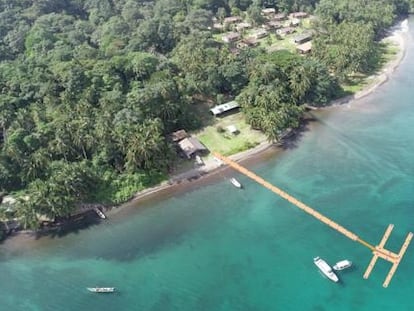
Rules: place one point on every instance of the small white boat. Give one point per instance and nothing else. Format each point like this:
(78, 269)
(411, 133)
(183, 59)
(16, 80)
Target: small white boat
(99, 213)
(101, 289)
(343, 264)
(325, 269)
(235, 182)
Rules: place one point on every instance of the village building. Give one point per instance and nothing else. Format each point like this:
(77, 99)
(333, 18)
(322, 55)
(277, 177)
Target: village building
(231, 37)
(191, 147)
(279, 17)
(294, 22)
(259, 33)
(219, 109)
(178, 135)
(218, 26)
(273, 24)
(232, 20)
(247, 43)
(304, 48)
(268, 11)
(298, 15)
(285, 31)
(233, 129)
(302, 38)
(243, 26)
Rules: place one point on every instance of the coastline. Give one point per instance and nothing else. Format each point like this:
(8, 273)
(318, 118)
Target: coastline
(181, 182)
(212, 170)
(397, 36)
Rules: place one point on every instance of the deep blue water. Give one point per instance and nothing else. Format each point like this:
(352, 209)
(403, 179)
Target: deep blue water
(219, 248)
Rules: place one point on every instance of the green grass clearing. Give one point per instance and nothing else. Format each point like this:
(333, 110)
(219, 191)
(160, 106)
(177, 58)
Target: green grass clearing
(227, 143)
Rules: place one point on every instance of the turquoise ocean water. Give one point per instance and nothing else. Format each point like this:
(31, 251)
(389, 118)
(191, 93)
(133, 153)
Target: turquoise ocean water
(217, 248)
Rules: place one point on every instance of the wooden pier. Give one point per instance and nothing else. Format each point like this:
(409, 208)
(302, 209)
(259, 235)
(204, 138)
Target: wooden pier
(378, 251)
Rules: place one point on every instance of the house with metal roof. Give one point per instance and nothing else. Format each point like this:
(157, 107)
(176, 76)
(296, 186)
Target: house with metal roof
(302, 38)
(191, 146)
(219, 109)
(178, 135)
(305, 47)
(231, 37)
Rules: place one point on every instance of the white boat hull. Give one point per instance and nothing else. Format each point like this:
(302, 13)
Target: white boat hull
(101, 289)
(325, 269)
(235, 182)
(99, 213)
(341, 265)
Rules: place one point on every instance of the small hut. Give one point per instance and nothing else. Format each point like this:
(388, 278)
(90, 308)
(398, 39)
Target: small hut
(305, 47)
(178, 135)
(191, 146)
(302, 38)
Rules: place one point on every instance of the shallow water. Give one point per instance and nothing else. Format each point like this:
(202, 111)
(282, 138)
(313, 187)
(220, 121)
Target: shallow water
(219, 248)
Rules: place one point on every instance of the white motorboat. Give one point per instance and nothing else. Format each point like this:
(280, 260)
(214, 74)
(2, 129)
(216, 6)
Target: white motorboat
(343, 264)
(325, 269)
(101, 289)
(235, 182)
(99, 213)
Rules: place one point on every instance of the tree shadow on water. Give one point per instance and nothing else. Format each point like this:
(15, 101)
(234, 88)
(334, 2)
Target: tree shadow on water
(291, 140)
(68, 226)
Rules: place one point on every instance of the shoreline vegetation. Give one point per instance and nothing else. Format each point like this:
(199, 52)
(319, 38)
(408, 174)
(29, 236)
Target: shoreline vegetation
(99, 102)
(395, 37)
(212, 170)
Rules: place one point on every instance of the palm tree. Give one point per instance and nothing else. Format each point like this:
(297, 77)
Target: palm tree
(300, 80)
(36, 165)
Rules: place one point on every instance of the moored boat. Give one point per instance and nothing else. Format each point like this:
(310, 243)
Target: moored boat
(101, 289)
(99, 213)
(325, 269)
(343, 264)
(235, 182)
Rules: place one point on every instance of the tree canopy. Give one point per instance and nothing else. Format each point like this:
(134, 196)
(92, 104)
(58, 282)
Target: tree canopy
(90, 90)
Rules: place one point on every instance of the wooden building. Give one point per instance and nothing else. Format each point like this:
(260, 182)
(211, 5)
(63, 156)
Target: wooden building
(191, 147)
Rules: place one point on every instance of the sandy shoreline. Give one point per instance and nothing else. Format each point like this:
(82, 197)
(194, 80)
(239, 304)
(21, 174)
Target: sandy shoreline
(213, 171)
(182, 182)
